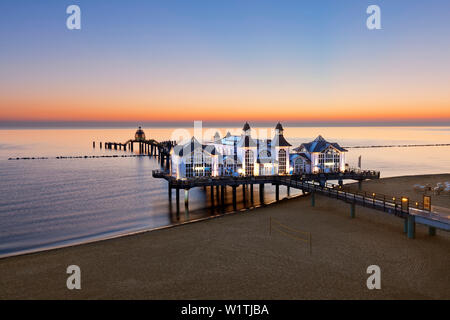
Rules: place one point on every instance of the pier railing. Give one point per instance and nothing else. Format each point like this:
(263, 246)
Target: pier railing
(399, 206)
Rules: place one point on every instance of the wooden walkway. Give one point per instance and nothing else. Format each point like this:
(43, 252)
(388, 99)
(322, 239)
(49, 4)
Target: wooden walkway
(313, 184)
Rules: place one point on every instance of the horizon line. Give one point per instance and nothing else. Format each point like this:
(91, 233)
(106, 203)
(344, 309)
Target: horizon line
(24, 124)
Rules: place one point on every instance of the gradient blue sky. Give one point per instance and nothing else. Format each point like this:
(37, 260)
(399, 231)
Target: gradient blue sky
(217, 60)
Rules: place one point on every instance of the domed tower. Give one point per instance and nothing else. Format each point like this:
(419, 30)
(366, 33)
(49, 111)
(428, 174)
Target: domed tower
(246, 129)
(139, 135)
(280, 147)
(279, 128)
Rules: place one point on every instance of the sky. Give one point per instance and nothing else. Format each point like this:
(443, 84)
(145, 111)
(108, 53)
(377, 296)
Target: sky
(225, 60)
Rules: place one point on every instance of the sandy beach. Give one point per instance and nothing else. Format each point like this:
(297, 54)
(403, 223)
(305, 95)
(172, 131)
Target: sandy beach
(238, 256)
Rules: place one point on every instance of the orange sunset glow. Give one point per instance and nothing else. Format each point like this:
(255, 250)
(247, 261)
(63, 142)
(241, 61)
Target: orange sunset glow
(225, 108)
(325, 69)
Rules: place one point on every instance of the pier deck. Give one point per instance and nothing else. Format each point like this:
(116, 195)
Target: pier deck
(188, 183)
(150, 147)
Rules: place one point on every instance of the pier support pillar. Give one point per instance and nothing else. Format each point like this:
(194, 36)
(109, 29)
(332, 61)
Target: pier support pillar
(212, 196)
(178, 199)
(359, 185)
(405, 225)
(313, 199)
(222, 195)
(277, 192)
(411, 227)
(340, 182)
(217, 195)
(234, 198)
(251, 193)
(170, 193)
(352, 210)
(186, 201)
(261, 193)
(288, 191)
(431, 231)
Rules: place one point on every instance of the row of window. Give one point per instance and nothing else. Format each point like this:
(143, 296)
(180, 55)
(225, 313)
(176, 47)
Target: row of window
(329, 160)
(201, 165)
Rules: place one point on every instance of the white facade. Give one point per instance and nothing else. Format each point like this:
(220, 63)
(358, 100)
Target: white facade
(244, 156)
(323, 155)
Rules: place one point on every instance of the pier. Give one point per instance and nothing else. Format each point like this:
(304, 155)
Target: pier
(150, 147)
(309, 183)
(313, 184)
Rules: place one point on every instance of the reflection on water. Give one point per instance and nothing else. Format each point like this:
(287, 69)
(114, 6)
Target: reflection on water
(48, 203)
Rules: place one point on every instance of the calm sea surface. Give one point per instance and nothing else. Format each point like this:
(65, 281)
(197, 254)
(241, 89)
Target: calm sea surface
(51, 203)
